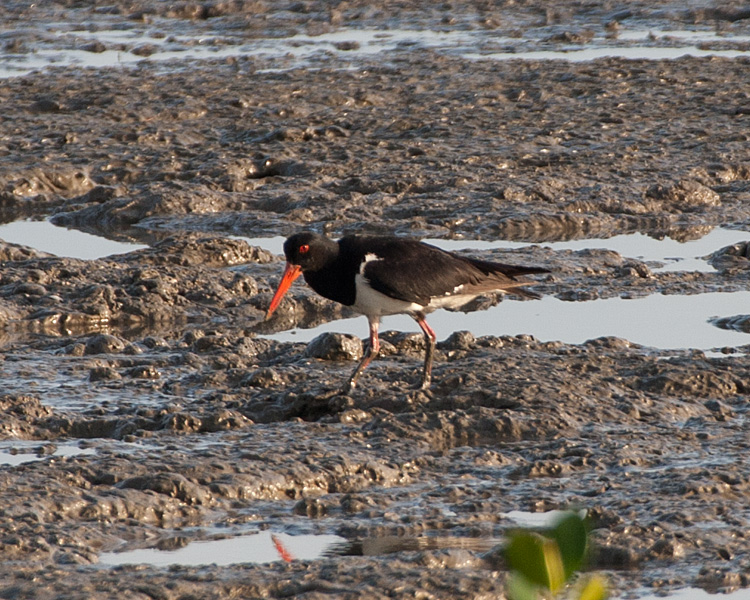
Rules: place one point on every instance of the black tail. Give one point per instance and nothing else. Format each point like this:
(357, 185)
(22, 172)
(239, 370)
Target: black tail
(511, 271)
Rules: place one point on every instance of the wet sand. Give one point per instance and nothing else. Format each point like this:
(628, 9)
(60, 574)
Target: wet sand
(162, 411)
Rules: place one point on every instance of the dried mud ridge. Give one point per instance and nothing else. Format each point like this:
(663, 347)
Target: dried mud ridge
(159, 364)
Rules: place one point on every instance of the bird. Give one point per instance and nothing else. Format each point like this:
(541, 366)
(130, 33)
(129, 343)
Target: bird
(386, 275)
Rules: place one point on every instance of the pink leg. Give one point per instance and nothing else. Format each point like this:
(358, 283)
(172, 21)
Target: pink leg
(429, 338)
(372, 351)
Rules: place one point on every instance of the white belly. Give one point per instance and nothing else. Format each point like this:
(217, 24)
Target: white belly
(373, 303)
(370, 302)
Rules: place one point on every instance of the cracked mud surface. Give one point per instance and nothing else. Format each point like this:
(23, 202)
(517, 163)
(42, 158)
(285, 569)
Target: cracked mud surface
(198, 424)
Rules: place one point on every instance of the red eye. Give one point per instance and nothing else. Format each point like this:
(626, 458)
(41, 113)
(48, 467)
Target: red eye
(304, 248)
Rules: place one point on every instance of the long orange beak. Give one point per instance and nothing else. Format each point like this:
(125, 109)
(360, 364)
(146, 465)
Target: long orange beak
(291, 272)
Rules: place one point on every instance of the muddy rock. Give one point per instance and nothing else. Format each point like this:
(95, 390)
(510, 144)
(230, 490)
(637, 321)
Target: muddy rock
(694, 383)
(194, 250)
(684, 195)
(732, 259)
(22, 414)
(334, 346)
(738, 322)
(172, 485)
(14, 252)
(264, 377)
(104, 344)
(100, 373)
(43, 184)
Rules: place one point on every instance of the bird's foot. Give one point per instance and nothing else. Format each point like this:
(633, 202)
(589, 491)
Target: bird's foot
(348, 387)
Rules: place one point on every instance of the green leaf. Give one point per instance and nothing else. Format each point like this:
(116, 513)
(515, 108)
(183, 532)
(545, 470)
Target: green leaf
(537, 558)
(571, 536)
(595, 588)
(520, 588)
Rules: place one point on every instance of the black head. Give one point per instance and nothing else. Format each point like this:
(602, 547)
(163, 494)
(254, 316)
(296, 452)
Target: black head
(309, 250)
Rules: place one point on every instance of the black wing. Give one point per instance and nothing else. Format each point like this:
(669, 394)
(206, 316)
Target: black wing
(415, 272)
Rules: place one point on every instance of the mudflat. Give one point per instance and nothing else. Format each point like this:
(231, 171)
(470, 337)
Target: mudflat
(152, 406)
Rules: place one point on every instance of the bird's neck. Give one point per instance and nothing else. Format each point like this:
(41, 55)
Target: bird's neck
(334, 279)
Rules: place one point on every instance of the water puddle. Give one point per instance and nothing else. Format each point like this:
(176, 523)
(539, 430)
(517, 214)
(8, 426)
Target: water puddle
(698, 594)
(274, 244)
(680, 36)
(675, 255)
(657, 321)
(261, 547)
(68, 243)
(19, 452)
(588, 54)
(538, 520)
(106, 44)
(120, 47)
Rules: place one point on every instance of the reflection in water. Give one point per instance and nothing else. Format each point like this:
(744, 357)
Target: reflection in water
(258, 548)
(68, 243)
(658, 321)
(19, 452)
(680, 252)
(735, 322)
(389, 544)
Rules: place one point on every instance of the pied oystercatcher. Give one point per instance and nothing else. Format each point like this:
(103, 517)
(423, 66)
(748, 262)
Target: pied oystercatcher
(386, 275)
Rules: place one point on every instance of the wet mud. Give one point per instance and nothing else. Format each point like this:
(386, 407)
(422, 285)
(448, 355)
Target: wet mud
(194, 423)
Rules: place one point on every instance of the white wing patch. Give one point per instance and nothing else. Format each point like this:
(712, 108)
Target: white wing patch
(373, 303)
(369, 257)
